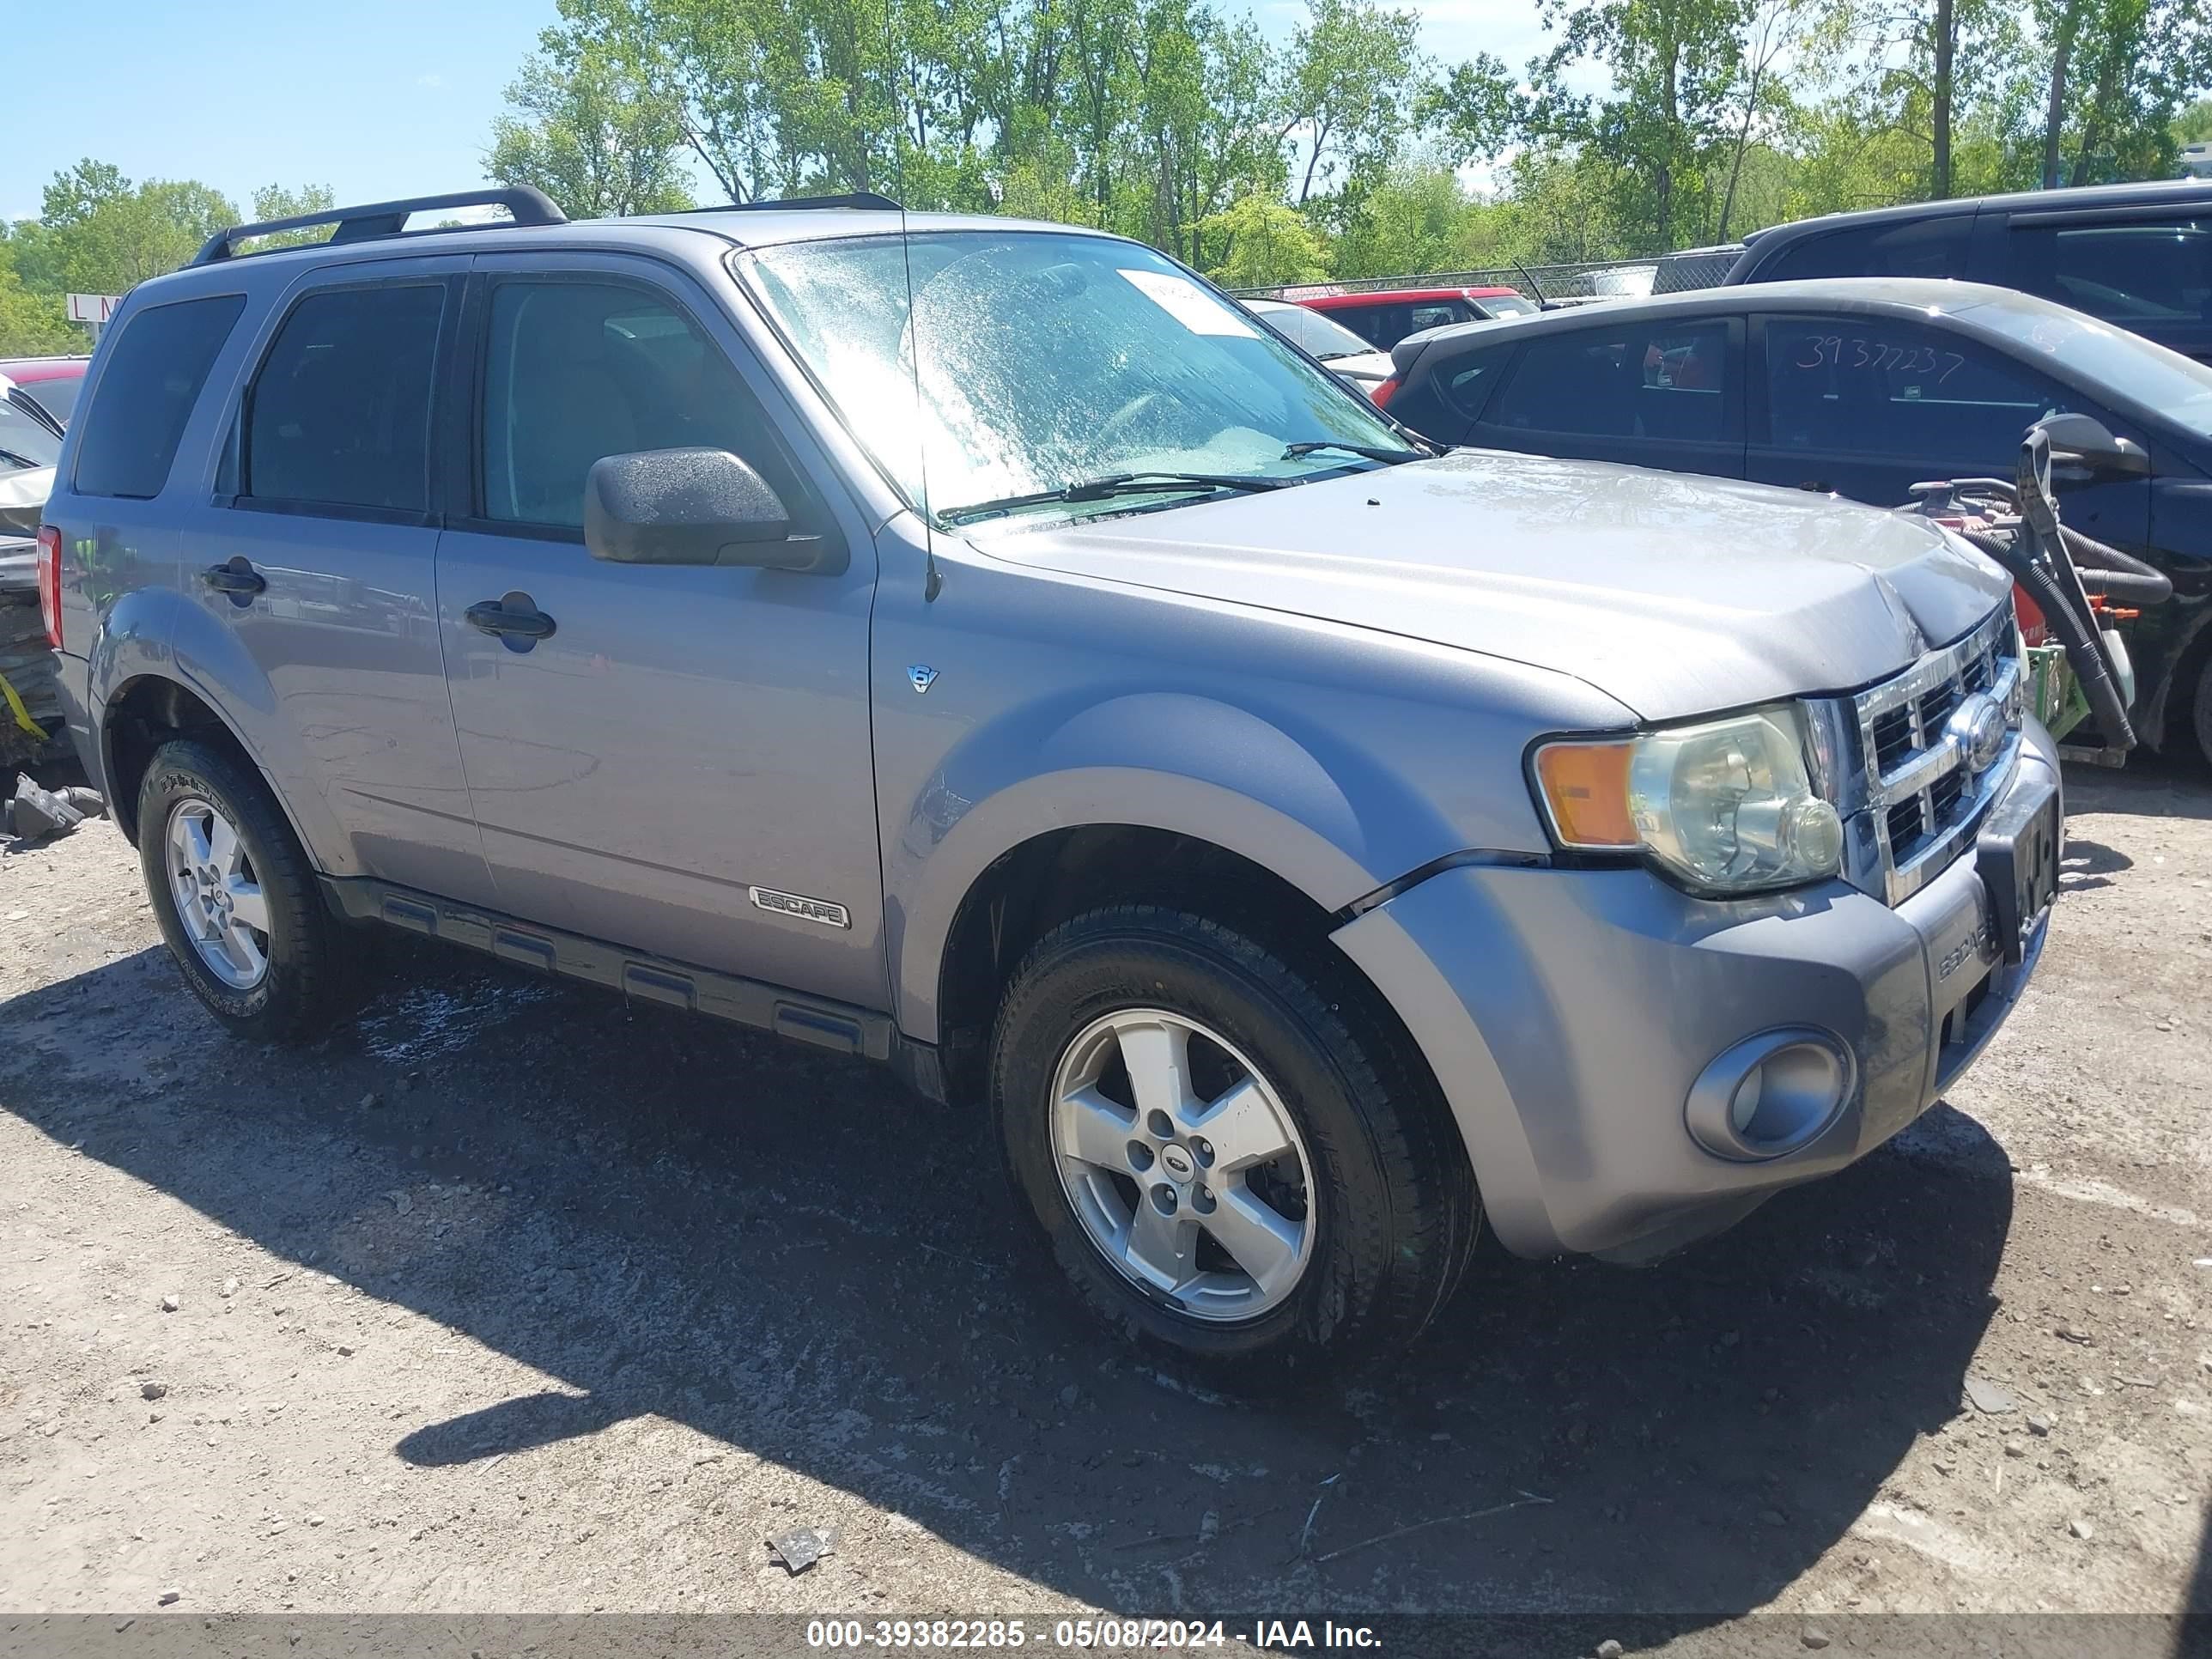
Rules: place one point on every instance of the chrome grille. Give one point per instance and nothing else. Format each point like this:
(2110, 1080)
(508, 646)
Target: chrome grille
(1925, 792)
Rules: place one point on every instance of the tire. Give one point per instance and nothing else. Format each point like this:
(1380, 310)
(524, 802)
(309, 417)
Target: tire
(2200, 724)
(303, 978)
(1389, 1212)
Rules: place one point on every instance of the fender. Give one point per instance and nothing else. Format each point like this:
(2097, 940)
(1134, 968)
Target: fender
(1170, 761)
(156, 633)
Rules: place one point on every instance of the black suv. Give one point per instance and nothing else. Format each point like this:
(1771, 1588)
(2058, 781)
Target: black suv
(2136, 255)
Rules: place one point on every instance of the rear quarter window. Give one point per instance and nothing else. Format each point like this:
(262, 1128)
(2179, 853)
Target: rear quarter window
(1918, 247)
(155, 373)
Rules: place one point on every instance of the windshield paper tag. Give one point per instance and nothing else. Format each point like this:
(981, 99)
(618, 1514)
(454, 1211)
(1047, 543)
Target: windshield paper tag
(1189, 304)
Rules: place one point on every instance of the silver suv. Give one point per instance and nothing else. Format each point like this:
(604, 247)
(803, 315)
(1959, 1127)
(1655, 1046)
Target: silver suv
(980, 647)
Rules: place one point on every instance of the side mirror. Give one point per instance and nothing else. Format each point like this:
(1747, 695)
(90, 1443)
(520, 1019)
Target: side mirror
(694, 507)
(2084, 441)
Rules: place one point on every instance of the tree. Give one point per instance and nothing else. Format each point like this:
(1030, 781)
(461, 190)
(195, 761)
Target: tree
(1264, 244)
(31, 324)
(590, 133)
(1672, 64)
(1346, 91)
(101, 233)
(1759, 93)
(277, 202)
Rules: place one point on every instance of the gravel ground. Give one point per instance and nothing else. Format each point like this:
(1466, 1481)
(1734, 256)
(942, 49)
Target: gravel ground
(509, 1297)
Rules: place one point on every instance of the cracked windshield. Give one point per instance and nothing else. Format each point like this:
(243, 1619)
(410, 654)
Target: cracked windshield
(1039, 373)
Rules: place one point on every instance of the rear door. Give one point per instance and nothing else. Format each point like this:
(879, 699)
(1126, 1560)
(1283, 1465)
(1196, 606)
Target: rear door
(316, 551)
(1649, 391)
(2145, 269)
(1869, 406)
(682, 764)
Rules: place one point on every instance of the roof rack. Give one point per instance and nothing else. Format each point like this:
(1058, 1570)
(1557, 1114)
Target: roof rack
(527, 205)
(858, 199)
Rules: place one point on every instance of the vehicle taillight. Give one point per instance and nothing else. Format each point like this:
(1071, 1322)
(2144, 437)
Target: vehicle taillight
(1384, 392)
(49, 582)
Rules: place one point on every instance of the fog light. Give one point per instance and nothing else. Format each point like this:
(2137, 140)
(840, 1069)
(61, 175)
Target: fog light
(1769, 1094)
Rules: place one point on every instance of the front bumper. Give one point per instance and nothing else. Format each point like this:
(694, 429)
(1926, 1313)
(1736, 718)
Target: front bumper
(1567, 1013)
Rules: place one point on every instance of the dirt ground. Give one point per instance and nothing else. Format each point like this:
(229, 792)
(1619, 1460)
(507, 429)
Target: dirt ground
(510, 1297)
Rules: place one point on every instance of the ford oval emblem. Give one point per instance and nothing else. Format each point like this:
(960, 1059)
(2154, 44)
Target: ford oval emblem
(1977, 727)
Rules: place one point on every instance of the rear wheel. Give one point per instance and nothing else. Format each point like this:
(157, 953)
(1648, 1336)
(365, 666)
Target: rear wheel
(1223, 1147)
(234, 895)
(2200, 711)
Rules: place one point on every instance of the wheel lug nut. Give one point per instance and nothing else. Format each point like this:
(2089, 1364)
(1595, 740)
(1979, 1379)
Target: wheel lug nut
(1160, 1124)
(1164, 1199)
(1202, 1149)
(1202, 1201)
(1141, 1156)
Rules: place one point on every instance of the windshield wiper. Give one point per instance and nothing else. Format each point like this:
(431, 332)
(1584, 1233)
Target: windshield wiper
(1370, 452)
(1114, 484)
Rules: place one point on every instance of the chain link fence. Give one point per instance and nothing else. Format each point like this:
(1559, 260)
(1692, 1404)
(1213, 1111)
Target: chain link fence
(1569, 284)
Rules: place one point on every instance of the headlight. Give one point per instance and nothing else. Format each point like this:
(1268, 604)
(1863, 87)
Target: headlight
(1723, 806)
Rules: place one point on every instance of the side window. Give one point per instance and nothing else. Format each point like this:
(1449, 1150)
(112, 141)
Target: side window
(339, 414)
(1465, 384)
(2135, 273)
(1632, 380)
(578, 370)
(1381, 326)
(1918, 247)
(152, 378)
(1436, 315)
(1873, 387)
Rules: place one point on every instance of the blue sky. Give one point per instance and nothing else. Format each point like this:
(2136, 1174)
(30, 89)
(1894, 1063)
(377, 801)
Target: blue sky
(377, 98)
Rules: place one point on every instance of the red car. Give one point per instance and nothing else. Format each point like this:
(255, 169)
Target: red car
(51, 382)
(1387, 316)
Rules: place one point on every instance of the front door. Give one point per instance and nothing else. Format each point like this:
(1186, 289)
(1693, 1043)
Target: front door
(686, 745)
(1869, 406)
(316, 549)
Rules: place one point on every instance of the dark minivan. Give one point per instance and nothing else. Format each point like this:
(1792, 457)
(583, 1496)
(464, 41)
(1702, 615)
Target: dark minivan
(2137, 255)
(1864, 386)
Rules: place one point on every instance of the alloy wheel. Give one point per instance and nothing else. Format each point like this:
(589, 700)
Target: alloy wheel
(1181, 1162)
(218, 896)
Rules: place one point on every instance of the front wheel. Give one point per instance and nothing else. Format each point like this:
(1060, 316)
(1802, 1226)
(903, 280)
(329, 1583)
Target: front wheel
(1225, 1148)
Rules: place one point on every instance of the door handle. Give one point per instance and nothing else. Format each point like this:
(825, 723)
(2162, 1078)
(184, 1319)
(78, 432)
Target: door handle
(239, 578)
(516, 616)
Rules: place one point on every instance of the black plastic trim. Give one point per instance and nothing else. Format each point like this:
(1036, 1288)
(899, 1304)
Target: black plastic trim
(826, 1023)
(1487, 856)
(376, 220)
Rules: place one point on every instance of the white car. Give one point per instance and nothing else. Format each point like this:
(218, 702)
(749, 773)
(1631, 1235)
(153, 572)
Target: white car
(2197, 159)
(1329, 343)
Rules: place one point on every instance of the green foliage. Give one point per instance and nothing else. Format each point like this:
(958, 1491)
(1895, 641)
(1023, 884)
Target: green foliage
(2194, 124)
(99, 233)
(588, 132)
(32, 325)
(276, 202)
(1263, 242)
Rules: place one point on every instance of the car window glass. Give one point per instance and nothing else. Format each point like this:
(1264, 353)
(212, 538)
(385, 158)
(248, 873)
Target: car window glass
(576, 371)
(58, 396)
(339, 414)
(2132, 274)
(23, 441)
(1919, 247)
(1631, 381)
(1381, 326)
(1436, 314)
(147, 385)
(1466, 384)
(1028, 359)
(1310, 331)
(1873, 386)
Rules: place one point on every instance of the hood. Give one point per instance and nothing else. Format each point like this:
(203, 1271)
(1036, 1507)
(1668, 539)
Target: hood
(1676, 595)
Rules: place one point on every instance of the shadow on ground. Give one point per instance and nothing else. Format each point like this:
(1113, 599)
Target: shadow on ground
(787, 1252)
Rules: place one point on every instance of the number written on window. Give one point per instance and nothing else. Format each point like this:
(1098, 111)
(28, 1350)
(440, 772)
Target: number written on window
(1874, 355)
